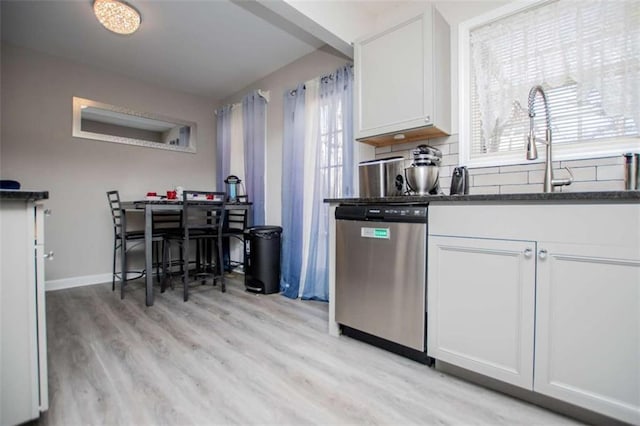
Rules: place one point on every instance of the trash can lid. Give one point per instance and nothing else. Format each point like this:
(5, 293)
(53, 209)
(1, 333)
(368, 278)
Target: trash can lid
(264, 230)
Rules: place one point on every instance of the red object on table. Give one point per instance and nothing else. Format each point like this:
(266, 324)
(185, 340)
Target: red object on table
(172, 195)
(152, 194)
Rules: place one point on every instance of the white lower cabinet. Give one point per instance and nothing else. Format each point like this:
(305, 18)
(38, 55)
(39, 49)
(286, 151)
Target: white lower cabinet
(23, 346)
(588, 328)
(481, 306)
(553, 307)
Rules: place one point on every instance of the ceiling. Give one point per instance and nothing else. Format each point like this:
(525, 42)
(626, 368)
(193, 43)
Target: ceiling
(212, 48)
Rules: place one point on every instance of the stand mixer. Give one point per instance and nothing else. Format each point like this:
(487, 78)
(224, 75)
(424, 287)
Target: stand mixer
(423, 175)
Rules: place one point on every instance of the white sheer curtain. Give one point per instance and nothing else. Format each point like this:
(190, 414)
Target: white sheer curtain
(318, 163)
(311, 141)
(333, 164)
(587, 53)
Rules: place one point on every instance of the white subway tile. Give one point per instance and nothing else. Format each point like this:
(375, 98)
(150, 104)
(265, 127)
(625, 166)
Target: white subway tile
(605, 161)
(445, 172)
(579, 174)
(501, 179)
(522, 168)
(603, 185)
(404, 146)
(454, 147)
(520, 189)
(484, 190)
(450, 160)
(382, 150)
(615, 172)
(444, 148)
(484, 170)
(536, 176)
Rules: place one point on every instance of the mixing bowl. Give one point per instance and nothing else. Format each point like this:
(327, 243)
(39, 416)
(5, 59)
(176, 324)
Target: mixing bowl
(421, 179)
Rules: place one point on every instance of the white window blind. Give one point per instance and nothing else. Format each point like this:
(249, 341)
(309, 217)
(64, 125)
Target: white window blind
(585, 54)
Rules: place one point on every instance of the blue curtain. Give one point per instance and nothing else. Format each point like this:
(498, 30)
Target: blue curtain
(334, 174)
(292, 191)
(223, 145)
(254, 108)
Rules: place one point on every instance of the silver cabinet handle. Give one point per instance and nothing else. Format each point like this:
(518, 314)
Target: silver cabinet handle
(528, 252)
(542, 254)
(48, 256)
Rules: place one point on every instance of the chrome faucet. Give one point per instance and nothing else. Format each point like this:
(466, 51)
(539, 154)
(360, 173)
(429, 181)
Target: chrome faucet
(532, 153)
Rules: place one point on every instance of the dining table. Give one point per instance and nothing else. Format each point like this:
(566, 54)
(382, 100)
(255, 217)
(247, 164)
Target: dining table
(149, 206)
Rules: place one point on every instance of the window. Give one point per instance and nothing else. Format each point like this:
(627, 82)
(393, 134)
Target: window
(586, 55)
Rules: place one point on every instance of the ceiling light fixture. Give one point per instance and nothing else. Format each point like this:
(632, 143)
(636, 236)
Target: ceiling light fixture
(117, 16)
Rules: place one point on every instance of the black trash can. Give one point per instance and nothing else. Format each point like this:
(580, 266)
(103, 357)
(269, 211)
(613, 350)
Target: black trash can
(262, 259)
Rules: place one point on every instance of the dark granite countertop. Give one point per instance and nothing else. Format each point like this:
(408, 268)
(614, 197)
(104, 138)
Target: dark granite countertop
(600, 196)
(22, 195)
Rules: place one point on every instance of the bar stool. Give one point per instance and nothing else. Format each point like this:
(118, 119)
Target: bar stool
(203, 214)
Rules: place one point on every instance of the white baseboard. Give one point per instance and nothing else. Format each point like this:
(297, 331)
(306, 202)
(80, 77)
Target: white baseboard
(61, 284)
(53, 285)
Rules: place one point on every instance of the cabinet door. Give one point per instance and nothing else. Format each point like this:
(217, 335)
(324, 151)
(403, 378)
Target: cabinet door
(394, 78)
(588, 327)
(481, 306)
(18, 320)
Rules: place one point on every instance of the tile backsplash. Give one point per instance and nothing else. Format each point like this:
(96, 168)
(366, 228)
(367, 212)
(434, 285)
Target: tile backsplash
(598, 174)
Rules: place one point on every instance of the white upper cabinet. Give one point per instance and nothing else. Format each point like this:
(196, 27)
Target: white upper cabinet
(402, 81)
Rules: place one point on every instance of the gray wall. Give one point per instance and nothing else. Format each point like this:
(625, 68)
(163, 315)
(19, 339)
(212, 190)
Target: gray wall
(37, 149)
(321, 62)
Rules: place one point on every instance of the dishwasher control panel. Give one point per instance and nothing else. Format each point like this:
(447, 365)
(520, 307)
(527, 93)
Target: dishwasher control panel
(410, 214)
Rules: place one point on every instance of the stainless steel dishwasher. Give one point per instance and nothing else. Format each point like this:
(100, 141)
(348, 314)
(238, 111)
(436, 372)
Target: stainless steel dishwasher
(381, 269)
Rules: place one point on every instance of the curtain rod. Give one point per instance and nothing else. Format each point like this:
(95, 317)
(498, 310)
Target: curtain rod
(322, 79)
(264, 94)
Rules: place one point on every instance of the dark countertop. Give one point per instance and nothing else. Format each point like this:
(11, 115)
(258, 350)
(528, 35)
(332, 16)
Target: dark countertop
(600, 196)
(22, 195)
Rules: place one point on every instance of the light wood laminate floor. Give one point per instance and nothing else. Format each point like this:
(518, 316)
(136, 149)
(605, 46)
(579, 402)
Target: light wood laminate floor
(240, 358)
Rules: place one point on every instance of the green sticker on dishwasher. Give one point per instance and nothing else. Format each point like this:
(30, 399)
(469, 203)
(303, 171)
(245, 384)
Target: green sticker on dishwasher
(375, 233)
